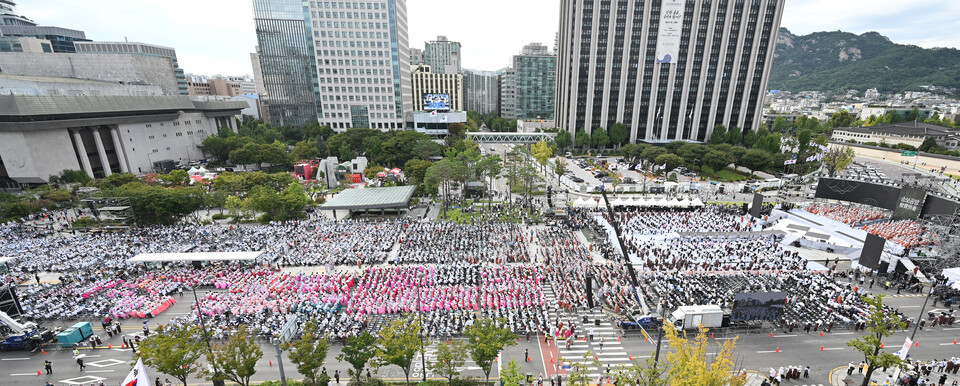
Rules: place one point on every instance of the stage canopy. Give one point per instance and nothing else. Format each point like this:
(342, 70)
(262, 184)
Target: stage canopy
(371, 198)
(196, 256)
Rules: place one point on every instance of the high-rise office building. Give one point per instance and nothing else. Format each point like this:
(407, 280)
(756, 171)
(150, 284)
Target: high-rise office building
(667, 69)
(481, 91)
(137, 49)
(507, 105)
(416, 56)
(535, 81)
(15, 25)
(287, 62)
(443, 56)
(363, 63)
(445, 89)
(257, 73)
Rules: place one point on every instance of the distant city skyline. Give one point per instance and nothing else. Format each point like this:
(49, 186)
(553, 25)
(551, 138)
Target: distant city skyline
(216, 36)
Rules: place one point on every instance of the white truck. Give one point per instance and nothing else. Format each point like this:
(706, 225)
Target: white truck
(690, 317)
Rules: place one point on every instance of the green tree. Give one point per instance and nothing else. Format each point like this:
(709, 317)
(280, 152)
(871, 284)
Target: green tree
(510, 375)
(399, 341)
(631, 151)
(779, 125)
(236, 359)
(734, 135)
(358, 351)
(448, 359)
(750, 138)
(651, 153)
(755, 159)
(842, 118)
(563, 140)
(693, 153)
(717, 160)
(305, 150)
(599, 138)
(803, 140)
(881, 323)
(70, 176)
(346, 152)
(579, 370)
(484, 341)
(737, 152)
(415, 169)
(560, 167)
(309, 352)
(674, 146)
(293, 200)
(928, 144)
(671, 160)
(582, 139)
(719, 134)
(489, 168)
(619, 134)
(440, 177)
(175, 352)
(837, 158)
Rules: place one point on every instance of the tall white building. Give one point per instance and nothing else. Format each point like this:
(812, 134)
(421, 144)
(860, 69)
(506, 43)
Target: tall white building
(481, 91)
(363, 63)
(667, 69)
(443, 56)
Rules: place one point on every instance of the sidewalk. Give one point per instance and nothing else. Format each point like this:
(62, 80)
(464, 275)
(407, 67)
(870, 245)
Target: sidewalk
(839, 377)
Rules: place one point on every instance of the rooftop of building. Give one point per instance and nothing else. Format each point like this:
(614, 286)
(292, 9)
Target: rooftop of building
(19, 108)
(904, 128)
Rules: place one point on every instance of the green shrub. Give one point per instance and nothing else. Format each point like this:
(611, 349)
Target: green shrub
(219, 216)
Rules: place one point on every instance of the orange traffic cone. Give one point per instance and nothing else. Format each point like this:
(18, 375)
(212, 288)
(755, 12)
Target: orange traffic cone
(595, 357)
(38, 371)
(821, 333)
(821, 348)
(954, 341)
(630, 357)
(881, 344)
(917, 343)
(518, 339)
(123, 345)
(778, 349)
(270, 363)
(448, 341)
(771, 334)
(711, 335)
(494, 359)
(42, 351)
(109, 345)
(618, 339)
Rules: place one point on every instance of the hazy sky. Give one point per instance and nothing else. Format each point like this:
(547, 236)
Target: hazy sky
(217, 36)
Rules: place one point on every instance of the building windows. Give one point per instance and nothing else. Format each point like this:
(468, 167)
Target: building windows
(150, 137)
(147, 125)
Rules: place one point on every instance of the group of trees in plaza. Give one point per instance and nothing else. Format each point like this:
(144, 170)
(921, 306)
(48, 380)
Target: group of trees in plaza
(178, 352)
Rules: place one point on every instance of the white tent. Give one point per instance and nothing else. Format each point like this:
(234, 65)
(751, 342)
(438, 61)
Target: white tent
(619, 202)
(674, 203)
(696, 202)
(952, 274)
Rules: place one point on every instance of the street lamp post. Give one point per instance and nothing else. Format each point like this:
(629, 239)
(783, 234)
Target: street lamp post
(423, 349)
(206, 336)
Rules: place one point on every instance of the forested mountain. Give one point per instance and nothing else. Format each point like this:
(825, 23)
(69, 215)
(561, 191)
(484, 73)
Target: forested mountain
(836, 61)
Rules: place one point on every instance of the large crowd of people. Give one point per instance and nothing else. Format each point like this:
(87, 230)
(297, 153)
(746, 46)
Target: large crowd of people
(906, 233)
(851, 215)
(712, 218)
(714, 253)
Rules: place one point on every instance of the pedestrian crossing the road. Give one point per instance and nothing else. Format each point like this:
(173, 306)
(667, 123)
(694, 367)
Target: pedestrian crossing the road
(599, 343)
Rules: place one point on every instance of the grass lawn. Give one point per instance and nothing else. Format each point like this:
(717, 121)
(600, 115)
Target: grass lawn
(725, 175)
(956, 177)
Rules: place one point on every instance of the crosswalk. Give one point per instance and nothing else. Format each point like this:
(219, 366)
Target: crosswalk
(604, 349)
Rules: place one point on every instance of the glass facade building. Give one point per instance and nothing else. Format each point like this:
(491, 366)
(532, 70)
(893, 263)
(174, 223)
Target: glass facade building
(286, 62)
(362, 63)
(611, 68)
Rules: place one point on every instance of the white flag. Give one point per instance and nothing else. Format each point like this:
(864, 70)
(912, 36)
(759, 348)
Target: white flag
(790, 162)
(137, 376)
(664, 166)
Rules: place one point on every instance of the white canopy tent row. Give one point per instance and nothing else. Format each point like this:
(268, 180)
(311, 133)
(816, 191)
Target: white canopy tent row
(581, 202)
